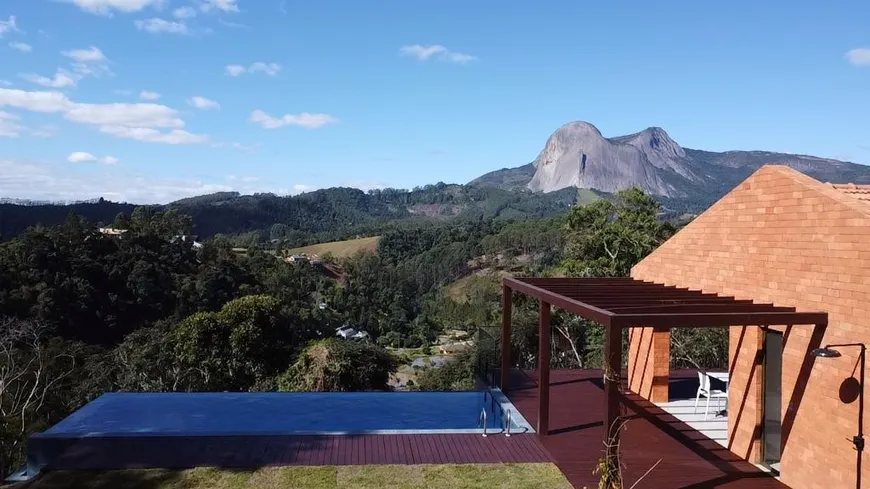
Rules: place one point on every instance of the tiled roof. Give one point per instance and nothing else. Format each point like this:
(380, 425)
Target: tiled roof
(860, 192)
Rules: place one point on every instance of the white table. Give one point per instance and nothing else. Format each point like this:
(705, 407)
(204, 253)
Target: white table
(720, 376)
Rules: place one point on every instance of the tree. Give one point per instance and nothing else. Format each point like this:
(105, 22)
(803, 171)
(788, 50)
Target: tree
(248, 340)
(339, 365)
(147, 362)
(607, 238)
(29, 371)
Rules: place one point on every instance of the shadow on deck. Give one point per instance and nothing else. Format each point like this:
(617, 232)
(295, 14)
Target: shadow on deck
(689, 460)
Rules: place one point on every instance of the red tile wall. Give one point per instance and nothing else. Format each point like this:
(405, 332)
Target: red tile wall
(781, 237)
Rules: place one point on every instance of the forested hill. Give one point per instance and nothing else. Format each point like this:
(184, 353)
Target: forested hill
(334, 213)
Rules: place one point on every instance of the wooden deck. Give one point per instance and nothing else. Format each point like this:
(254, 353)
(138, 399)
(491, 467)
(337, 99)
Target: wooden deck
(689, 460)
(259, 451)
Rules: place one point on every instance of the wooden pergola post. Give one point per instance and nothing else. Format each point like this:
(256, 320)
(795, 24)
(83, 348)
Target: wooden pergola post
(619, 303)
(612, 381)
(544, 369)
(506, 309)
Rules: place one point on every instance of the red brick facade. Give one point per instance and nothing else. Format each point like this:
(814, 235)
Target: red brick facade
(779, 237)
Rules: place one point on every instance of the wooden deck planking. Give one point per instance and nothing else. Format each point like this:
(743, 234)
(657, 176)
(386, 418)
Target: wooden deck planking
(257, 451)
(689, 460)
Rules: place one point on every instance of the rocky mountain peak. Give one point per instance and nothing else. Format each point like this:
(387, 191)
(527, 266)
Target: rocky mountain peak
(654, 139)
(577, 155)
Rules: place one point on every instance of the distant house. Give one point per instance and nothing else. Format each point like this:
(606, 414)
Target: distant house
(185, 238)
(300, 258)
(112, 231)
(349, 333)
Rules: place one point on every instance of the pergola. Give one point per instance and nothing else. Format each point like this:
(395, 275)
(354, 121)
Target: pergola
(618, 303)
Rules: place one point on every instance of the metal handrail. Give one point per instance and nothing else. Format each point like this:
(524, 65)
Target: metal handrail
(508, 423)
(483, 420)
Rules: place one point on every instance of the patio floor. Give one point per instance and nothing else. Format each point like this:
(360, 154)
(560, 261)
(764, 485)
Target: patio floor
(683, 388)
(689, 460)
(262, 451)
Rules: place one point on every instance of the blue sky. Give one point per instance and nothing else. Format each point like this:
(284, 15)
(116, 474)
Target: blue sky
(289, 95)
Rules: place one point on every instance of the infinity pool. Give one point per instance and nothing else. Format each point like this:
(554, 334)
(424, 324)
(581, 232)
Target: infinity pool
(198, 414)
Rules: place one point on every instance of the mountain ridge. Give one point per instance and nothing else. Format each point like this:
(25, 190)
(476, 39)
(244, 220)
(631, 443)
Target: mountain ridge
(578, 155)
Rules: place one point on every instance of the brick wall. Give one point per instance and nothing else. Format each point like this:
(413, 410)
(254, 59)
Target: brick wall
(784, 238)
(649, 362)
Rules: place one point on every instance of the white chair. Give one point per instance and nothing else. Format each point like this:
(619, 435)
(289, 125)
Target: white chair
(705, 390)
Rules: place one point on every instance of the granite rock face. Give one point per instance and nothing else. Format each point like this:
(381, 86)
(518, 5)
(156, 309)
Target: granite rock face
(577, 155)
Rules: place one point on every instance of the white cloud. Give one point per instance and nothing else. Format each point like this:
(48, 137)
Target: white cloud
(105, 7)
(270, 69)
(158, 26)
(146, 95)
(137, 115)
(60, 80)
(148, 135)
(44, 181)
(184, 13)
(89, 55)
(82, 157)
(7, 26)
(234, 25)
(79, 157)
(859, 57)
(203, 103)
(250, 149)
(310, 121)
(436, 52)
(91, 69)
(21, 46)
(88, 62)
(235, 70)
(43, 132)
(124, 120)
(222, 5)
(9, 127)
(49, 102)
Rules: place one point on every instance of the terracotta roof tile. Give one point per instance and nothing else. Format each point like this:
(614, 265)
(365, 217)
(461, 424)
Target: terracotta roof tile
(859, 192)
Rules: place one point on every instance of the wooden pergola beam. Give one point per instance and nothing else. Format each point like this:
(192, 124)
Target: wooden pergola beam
(719, 319)
(701, 307)
(587, 311)
(618, 303)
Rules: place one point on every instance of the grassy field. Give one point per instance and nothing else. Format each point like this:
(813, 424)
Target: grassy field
(503, 476)
(462, 288)
(340, 249)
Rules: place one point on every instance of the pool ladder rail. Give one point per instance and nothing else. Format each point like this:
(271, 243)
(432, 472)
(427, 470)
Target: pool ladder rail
(506, 415)
(483, 420)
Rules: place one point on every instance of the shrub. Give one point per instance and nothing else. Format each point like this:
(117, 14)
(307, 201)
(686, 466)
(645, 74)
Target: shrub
(456, 374)
(338, 365)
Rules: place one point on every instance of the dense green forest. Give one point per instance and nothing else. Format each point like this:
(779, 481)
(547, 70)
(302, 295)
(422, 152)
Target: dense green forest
(319, 216)
(82, 313)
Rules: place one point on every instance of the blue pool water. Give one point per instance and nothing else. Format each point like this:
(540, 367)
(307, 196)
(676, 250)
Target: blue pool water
(130, 414)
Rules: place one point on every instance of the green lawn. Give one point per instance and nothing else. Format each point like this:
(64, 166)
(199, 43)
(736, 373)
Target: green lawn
(503, 476)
